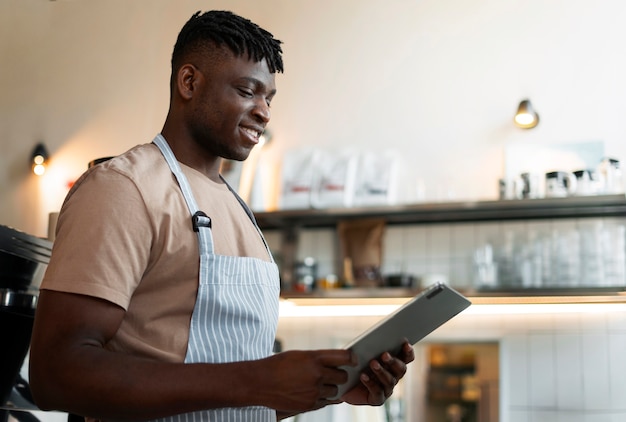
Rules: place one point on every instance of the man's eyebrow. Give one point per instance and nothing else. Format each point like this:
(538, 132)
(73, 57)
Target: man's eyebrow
(257, 83)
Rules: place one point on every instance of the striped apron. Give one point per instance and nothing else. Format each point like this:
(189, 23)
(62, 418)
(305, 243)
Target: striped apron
(236, 310)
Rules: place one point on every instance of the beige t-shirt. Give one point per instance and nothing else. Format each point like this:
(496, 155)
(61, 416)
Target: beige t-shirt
(124, 235)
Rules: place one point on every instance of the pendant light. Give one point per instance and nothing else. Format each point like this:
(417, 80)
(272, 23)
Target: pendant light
(526, 117)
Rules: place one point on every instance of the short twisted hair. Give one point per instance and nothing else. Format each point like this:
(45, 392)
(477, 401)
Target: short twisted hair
(223, 28)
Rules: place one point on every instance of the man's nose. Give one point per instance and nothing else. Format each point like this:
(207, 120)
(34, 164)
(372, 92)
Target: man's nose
(262, 111)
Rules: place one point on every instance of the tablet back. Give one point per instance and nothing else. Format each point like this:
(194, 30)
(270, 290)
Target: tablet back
(412, 321)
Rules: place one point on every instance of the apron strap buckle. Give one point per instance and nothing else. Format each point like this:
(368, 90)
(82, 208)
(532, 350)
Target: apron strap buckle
(200, 219)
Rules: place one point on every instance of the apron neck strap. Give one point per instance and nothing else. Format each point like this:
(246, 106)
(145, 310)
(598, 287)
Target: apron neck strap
(172, 162)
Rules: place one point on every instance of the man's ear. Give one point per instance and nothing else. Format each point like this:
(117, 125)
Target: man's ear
(186, 80)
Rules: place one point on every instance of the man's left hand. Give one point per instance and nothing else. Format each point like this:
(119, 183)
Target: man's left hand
(378, 383)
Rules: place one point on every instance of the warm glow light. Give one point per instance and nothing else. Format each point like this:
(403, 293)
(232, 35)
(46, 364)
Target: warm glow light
(524, 119)
(39, 169)
(289, 309)
(544, 308)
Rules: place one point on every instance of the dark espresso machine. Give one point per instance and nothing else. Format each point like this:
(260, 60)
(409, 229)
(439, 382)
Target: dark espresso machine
(23, 260)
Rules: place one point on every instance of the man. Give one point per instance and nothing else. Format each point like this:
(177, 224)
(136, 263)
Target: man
(161, 296)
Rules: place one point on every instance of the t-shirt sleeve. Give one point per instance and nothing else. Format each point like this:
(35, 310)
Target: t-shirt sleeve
(103, 238)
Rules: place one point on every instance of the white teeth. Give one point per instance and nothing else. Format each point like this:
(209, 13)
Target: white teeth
(252, 132)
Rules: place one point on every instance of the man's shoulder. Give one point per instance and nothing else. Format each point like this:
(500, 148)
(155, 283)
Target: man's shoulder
(142, 165)
(141, 168)
(139, 161)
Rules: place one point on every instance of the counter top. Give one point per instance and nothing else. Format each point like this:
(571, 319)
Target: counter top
(396, 296)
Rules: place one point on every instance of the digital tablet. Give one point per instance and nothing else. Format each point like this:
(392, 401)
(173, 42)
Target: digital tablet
(412, 321)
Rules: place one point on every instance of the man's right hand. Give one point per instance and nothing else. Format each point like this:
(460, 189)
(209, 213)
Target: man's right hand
(300, 381)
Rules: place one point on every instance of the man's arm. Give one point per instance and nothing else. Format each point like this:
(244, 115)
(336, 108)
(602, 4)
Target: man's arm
(70, 370)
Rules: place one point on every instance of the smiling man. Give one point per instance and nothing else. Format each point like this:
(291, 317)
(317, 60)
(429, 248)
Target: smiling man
(161, 296)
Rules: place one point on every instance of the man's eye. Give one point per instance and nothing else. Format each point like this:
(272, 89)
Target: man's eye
(246, 92)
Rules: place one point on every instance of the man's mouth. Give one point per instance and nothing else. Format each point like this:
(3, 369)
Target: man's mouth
(252, 132)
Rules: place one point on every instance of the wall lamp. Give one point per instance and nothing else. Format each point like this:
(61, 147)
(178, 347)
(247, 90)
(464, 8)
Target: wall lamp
(526, 117)
(39, 159)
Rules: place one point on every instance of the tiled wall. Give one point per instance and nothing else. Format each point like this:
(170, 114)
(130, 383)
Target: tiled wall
(560, 365)
(533, 253)
(566, 368)
(563, 366)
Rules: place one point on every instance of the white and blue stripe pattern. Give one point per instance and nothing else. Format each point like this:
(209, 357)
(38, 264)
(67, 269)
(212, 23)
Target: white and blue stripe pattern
(236, 311)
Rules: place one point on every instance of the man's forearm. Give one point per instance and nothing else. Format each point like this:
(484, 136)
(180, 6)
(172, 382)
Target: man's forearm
(122, 387)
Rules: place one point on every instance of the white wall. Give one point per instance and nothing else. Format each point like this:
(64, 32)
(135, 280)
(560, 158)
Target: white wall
(438, 80)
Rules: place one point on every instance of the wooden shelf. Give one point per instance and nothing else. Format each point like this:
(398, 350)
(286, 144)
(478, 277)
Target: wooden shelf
(290, 223)
(447, 212)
